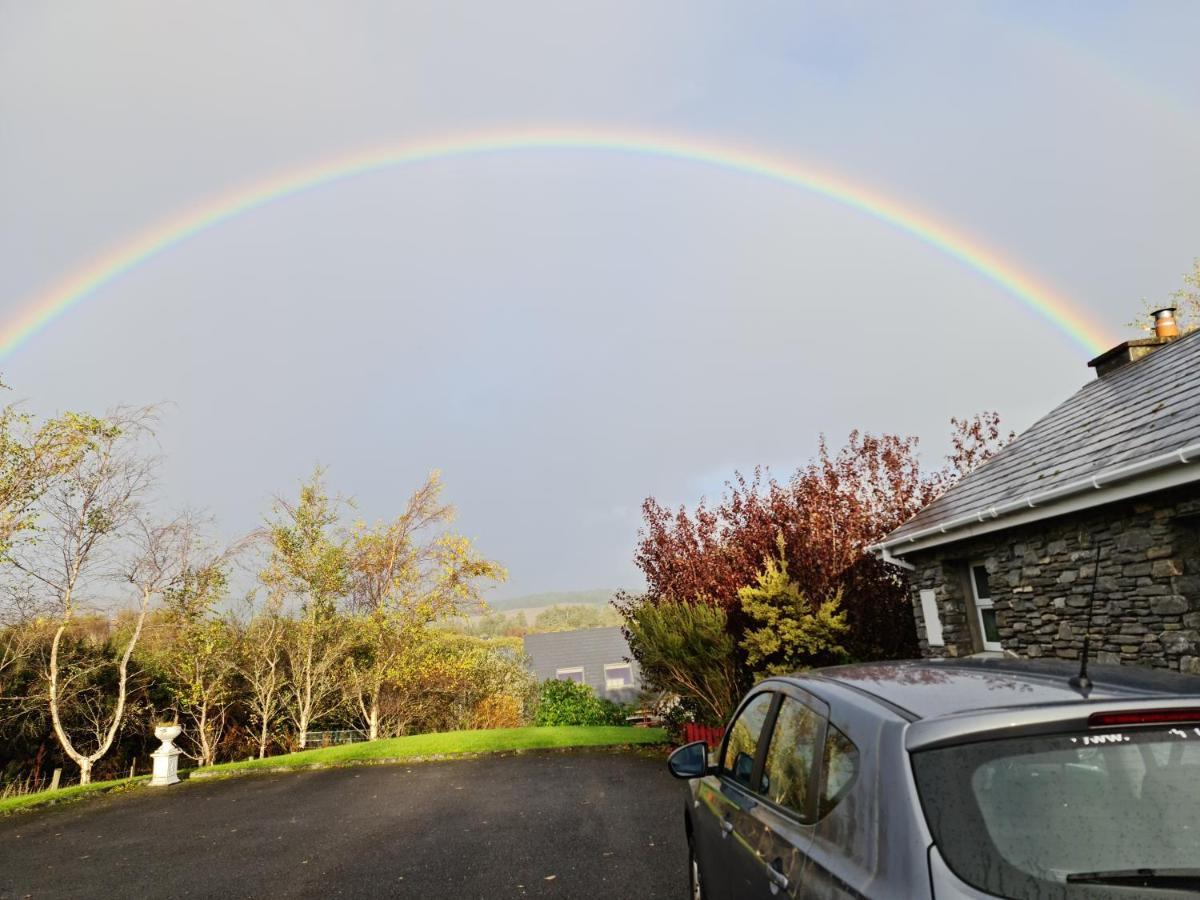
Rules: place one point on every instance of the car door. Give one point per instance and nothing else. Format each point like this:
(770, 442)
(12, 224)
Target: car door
(775, 833)
(843, 854)
(727, 793)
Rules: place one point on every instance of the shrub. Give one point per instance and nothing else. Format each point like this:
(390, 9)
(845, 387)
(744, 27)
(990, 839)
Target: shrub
(675, 712)
(568, 703)
(498, 711)
(788, 631)
(686, 649)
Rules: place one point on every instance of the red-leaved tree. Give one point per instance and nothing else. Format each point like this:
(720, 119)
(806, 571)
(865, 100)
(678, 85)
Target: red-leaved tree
(828, 513)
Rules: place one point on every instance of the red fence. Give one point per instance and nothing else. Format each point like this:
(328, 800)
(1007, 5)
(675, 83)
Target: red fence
(711, 734)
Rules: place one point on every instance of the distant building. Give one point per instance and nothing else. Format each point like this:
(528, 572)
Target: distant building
(597, 657)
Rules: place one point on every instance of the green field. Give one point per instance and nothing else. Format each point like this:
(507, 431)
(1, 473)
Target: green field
(413, 747)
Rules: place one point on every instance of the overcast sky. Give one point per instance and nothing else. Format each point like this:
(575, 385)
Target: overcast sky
(564, 334)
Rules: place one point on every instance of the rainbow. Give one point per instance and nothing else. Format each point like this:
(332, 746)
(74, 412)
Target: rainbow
(40, 311)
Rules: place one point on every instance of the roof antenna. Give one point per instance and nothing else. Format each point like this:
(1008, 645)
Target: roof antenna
(1081, 682)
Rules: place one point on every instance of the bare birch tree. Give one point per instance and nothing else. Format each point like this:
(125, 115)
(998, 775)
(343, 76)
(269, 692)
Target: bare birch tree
(195, 655)
(261, 664)
(32, 458)
(406, 574)
(308, 564)
(92, 533)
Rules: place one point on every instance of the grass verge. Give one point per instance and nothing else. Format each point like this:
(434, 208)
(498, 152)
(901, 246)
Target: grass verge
(452, 743)
(71, 792)
(413, 747)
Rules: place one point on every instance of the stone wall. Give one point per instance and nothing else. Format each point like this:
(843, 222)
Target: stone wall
(1147, 594)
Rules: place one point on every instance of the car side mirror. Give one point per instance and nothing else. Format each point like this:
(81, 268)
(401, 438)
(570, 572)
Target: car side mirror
(689, 761)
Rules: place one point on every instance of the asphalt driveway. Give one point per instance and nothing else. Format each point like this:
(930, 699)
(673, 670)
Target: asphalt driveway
(543, 824)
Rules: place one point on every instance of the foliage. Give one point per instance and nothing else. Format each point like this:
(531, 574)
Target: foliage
(570, 703)
(828, 512)
(309, 562)
(686, 649)
(492, 624)
(344, 637)
(33, 457)
(555, 618)
(498, 711)
(406, 576)
(723, 619)
(675, 712)
(191, 649)
(596, 597)
(973, 442)
(574, 618)
(786, 632)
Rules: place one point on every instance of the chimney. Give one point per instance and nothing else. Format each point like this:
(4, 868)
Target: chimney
(1165, 331)
(1164, 323)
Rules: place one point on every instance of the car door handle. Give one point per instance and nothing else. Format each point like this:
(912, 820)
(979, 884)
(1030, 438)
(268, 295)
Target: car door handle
(779, 881)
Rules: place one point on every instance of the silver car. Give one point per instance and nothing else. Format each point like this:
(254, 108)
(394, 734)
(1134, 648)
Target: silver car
(951, 779)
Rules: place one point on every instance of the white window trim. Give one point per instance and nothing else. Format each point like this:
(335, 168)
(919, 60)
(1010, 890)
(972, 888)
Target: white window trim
(981, 603)
(614, 685)
(570, 670)
(933, 621)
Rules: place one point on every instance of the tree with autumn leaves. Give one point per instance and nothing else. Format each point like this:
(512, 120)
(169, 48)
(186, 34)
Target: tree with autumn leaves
(786, 562)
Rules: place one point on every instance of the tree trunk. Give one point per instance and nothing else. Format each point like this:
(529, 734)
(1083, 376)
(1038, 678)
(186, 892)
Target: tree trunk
(106, 740)
(373, 723)
(262, 739)
(206, 752)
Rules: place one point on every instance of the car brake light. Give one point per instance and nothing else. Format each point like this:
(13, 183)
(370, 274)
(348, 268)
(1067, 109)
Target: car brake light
(1143, 717)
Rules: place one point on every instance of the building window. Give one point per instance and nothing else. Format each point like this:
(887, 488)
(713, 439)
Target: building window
(572, 674)
(617, 676)
(984, 607)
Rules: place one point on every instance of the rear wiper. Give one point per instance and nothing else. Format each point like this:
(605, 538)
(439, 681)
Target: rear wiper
(1186, 879)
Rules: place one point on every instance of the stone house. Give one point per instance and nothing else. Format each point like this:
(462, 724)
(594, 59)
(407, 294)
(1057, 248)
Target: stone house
(1006, 559)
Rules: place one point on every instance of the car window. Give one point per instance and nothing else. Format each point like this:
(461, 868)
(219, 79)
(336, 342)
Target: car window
(787, 772)
(1030, 817)
(742, 745)
(838, 768)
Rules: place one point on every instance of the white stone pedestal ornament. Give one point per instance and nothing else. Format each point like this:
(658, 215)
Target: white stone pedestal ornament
(166, 757)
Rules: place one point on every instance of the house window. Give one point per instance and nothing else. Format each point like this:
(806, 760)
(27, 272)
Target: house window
(617, 676)
(984, 607)
(572, 674)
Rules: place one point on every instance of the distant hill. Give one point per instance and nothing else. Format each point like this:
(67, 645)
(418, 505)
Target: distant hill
(597, 597)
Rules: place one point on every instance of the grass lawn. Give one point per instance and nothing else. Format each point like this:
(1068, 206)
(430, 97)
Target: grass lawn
(456, 743)
(71, 792)
(417, 746)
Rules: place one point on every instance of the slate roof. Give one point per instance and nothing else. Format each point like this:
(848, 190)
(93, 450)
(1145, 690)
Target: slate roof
(1143, 409)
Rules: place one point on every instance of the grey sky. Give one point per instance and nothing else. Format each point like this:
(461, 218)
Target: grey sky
(565, 333)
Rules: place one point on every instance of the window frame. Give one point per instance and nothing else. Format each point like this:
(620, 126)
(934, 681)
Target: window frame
(981, 604)
(820, 708)
(830, 730)
(570, 670)
(768, 727)
(608, 685)
(815, 778)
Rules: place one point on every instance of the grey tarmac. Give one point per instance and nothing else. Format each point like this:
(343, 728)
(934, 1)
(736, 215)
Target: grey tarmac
(586, 824)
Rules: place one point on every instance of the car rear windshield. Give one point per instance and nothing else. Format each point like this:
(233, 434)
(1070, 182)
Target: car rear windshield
(1020, 817)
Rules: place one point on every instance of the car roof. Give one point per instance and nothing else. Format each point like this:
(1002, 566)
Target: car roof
(927, 689)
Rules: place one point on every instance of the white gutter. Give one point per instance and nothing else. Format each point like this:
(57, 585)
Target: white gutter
(1153, 464)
